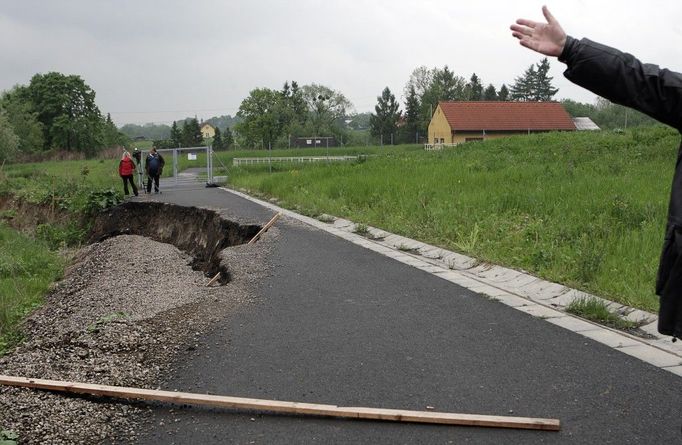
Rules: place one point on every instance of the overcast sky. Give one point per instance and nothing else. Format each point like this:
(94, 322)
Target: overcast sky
(156, 61)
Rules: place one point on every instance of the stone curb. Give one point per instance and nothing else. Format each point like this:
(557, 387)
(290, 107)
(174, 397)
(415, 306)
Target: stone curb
(517, 289)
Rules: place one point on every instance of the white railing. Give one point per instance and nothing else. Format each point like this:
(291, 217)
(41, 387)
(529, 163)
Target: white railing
(438, 146)
(292, 159)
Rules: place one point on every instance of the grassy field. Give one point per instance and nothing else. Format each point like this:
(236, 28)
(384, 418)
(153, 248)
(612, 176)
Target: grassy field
(585, 209)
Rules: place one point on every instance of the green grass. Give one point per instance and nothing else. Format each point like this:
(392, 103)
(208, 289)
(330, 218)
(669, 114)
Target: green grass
(584, 209)
(596, 310)
(27, 268)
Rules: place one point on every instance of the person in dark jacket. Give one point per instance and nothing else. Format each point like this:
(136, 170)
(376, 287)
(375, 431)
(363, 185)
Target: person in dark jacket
(622, 79)
(126, 168)
(154, 167)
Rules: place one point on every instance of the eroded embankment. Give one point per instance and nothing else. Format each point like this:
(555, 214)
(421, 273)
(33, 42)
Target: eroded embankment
(201, 233)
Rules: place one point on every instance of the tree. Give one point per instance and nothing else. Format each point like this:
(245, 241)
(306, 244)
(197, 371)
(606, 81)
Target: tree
(412, 117)
(490, 93)
(385, 122)
(534, 84)
(24, 121)
(327, 109)
(66, 107)
(191, 133)
(524, 86)
(474, 89)
(9, 142)
(218, 140)
(503, 94)
(228, 139)
(111, 136)
(176, 135)
(544, 91)
(260, 123)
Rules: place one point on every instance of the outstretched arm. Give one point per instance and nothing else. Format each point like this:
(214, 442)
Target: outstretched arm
(546, 38)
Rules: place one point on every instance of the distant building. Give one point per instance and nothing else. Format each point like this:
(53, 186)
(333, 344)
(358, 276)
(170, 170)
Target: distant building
(312, 142)
(585, 124)
(207, 130)
(457, 122)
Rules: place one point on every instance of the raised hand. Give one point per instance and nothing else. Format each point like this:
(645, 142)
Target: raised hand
(546, 38)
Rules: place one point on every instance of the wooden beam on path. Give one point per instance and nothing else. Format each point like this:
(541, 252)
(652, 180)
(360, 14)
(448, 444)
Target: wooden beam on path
(183, 398)
(265, 228)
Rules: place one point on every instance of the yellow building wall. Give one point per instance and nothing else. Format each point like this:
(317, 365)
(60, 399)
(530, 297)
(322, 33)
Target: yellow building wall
(439, 128)
(207, 131)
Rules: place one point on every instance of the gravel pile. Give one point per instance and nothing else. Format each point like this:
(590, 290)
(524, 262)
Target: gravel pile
(125, 310)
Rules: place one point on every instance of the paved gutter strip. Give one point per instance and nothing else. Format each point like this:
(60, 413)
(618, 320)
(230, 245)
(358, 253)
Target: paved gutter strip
(522, 291)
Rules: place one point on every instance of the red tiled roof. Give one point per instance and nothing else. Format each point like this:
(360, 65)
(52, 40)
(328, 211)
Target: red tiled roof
(501, 116)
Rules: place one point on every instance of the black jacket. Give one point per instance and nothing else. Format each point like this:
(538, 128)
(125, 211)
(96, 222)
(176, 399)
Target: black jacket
(622, 79)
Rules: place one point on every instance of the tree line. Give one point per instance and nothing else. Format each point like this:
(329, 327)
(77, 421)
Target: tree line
(58, 112)
(54, 111)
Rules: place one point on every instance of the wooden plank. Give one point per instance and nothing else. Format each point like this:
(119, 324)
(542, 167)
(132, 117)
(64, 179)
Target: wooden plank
(265, 228)
(213, 279)
(182, 398)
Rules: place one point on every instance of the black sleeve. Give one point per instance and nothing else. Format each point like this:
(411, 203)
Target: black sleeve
(622, 79)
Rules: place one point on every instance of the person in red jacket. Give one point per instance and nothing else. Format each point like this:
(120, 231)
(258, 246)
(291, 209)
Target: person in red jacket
(126, 168)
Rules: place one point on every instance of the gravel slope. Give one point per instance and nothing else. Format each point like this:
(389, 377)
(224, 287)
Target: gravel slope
(125, 311)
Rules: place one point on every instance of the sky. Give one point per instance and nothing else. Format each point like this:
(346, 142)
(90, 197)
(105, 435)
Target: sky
(159, 61)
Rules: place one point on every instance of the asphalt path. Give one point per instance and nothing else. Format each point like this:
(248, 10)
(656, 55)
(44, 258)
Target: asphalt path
(337, 324)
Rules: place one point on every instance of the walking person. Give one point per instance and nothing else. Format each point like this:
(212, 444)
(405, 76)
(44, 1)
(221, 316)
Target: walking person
(126, 169)
(154, 167)
(623, 79)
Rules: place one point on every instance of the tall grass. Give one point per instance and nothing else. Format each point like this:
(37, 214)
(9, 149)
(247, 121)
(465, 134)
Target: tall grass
(584, 209)
(27, 268)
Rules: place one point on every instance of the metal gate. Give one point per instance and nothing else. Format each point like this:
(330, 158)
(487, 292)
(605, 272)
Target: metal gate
(198, 174)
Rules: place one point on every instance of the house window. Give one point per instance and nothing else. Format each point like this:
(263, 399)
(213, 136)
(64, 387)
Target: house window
(442, 140)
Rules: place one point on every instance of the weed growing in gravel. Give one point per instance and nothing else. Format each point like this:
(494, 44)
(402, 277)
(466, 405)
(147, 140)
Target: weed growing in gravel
(115, 316)
(8, 437)
(361, 229)
(595, 310)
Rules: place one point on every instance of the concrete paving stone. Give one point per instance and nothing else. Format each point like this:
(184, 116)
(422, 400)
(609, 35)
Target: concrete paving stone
(430, 268)
(392, 239)
(340, 223)
(459, 279)
(483, 269)
(540, 311)
(543, 290)
(458, 261)
(639, 316)
(518, 283)
(496, 292)
(675, 370)
(573, 324)
(378, 233)
(431, 252)
(651, 328)
(666, 344)
(497, 274)
(561, 301)
(611, 338)
(484, 289)
(653, 355)
(512, 300)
